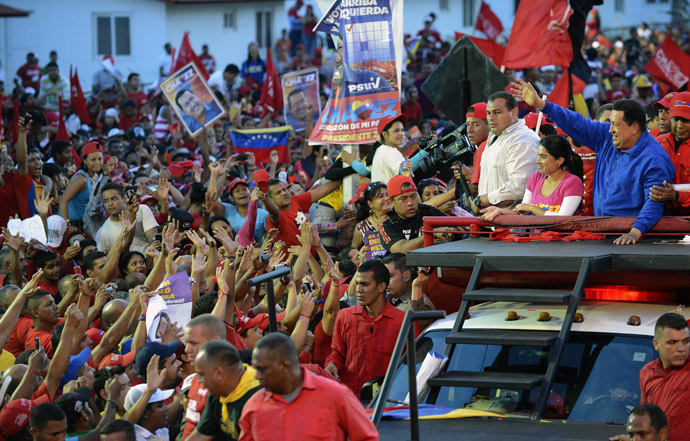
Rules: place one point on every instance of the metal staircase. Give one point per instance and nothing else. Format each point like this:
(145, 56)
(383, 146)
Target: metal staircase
(555, 341)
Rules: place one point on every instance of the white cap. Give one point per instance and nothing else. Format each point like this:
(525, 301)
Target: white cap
(135, 392)
(115, 132)
(112, 112)
(56, 230)
(549, 67)
(187, 383)
(30, 90)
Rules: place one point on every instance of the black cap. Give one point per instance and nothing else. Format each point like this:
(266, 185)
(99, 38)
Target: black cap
(184, 218)
(74, 404)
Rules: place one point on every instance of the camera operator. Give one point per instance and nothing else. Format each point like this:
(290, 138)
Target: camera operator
(509, 157)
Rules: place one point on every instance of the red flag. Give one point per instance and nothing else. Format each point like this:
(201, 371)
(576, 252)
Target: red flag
(488, 23)
(561, 91)
(272, 92)
(15, 123)
(670, 64)
(186, 54)
(540, 35)
(493, 50)
(77, 98)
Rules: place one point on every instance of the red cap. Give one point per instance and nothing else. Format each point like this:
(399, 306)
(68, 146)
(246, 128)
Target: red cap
(360, 193)
(680, 106)
(300, 46)
(478, 111)
(261, 179)
(179, 168)
(236, 182)
(15, 416)
(396, 182)
(665, 102)
(147, 198)
(91, 147)
(244, 322)
(95, 335)
(383, 122)
(532, 118)
(118, 360)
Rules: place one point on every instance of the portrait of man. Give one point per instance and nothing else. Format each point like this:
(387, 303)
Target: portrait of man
(195, 112)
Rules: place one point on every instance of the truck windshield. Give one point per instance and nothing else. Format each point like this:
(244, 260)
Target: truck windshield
(597, 380)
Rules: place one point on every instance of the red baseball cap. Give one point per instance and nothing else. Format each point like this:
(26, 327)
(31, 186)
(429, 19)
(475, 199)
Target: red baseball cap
(396, 182)
(680, 106)
(91, 147)
(95, 335)
(180, 168)
(15, 416)
(146, 198)
(383, 122)
(665, 102)
(235, 182)
(261, 179)
(532, 118)
(360, 193)
(478, 111)
(118, 360)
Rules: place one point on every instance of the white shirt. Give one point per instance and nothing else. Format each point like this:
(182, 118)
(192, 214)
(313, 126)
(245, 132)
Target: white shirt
(507, 163)
(165, 62)
(144, 435)
(386, 163)
(107, 235)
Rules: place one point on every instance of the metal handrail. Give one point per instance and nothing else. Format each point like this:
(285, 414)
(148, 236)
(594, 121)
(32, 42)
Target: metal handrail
(405, 337)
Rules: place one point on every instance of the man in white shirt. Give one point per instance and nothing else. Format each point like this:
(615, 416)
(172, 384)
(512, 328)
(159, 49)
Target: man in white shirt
(145, 224)
(509, 157)
(165, 61)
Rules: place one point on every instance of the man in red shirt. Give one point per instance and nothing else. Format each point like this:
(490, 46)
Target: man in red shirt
(129, 115)
(130, 90)
(664, 381)
(198, 331)
(478, 132)
(365, 334)
(29, 74)
(44, 312)
(207, 60)
(49, 262)
(664, 106)
(295, 404)
(15, 344)
(287, 213)
(677, 146)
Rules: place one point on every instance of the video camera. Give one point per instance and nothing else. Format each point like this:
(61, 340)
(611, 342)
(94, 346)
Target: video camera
(453, 148)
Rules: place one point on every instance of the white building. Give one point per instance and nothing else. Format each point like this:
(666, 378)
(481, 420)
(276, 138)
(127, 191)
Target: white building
(134, 31)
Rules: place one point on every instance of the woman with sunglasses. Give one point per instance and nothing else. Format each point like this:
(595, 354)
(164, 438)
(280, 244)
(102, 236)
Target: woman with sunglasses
(373, 204)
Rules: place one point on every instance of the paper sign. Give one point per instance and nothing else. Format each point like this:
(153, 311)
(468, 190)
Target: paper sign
(299, 89)
(176, 294)
(372, 239)
(31, 228)
(191, 98)
(156, 310)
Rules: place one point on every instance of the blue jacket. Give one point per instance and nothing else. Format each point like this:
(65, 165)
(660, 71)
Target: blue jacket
(622, 179)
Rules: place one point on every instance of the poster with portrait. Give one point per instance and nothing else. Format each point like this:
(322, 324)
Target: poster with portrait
(192, 100)
(300, 89)
(173, 304)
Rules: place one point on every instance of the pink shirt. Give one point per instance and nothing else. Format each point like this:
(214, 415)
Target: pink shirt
(570, 185)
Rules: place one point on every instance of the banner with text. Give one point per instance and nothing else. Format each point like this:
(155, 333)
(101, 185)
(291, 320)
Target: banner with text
(365, 82)
(300, 89)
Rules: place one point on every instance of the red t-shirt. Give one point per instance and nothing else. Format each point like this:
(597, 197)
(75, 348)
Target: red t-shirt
(44, 337)
(31, 76)
(234, 338)
(127, 122)
(8, 199)
(668, 389)
(15, 344)
(291, 220)
(196, 403)
(322, 345)
(413, 111)
(45, 286)
(25, 191)
(477, 168)
(139, 97)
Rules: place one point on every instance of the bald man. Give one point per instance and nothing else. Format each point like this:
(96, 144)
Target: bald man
(111, 312)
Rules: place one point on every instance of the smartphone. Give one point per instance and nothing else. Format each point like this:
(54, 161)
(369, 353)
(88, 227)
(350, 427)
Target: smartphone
(77, 269)
(252, 185)
(427, 270)
(158, 237)
(38, 342)
(131, 193)
(242, 157)
(153, 188)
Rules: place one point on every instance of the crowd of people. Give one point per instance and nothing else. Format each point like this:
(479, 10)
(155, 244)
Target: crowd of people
(131, 200)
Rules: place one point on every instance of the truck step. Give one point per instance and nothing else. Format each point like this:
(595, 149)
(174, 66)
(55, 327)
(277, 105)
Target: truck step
(503, 337)
(487, 379)
(518, 295)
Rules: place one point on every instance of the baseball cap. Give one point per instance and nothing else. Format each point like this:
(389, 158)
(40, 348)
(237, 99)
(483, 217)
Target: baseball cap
(396, 182)
(360, 193)
(187, 383)
(91, 147)
(179, 168)
(265, 319)
(75, 363)
(147, 351)
(665, 102)
(73, 403)
(95, 335)
(642, 81)
(261, 179)
(478, 111)
(236, 182)
(56, 230)
(532, 118)
(15, 416)
(113, 113)
(184, 218)
(115, 132)
(146, 198)
(117, 360)
(383, 122)
(680, 106)
(135, 392)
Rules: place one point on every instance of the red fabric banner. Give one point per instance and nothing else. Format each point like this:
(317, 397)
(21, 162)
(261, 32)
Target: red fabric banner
(540, 35)
(272, 91)
(488, 23)
(493, 50)
(62, 134)
(186, 54)
(561, 91)
(669, 64)
(77, 98)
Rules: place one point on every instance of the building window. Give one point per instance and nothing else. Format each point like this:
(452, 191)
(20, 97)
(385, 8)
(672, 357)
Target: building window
(229, 20)
(619, 6)
(112, 35)
(264, 24)
(468, 13)
(443, 5)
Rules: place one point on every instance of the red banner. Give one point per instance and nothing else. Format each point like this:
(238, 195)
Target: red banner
(669, 64)
(77, 98)
(493, 50)
(561, 91)
(185, 55)
(540, 35)
(488, 23)
(272, 91)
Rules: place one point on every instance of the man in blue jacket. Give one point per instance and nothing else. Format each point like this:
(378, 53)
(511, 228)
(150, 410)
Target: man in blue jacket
(629, 160)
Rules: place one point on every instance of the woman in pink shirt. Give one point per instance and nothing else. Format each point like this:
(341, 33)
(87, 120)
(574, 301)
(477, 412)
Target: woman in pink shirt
(556, 188)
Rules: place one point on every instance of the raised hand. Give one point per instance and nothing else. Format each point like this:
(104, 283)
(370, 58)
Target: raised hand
(524, 90)
(42, 203)
(163, 189)
(89, 287)
(14, 242)
(110, 166)
(32, 287)
(222, 284)
(199, 262)
(222, 235)
(154, 378)
(305, 236)
(170, 263)
(196, 172)
(210, 241)
(72, 251)
(171, 333)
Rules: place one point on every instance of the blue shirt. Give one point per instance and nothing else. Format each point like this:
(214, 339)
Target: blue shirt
(255, 69)
(236, 221)
(622, 178)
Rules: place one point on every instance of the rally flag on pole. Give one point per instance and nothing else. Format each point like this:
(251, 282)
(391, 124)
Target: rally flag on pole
(185, 55)
(272, 91)
(491, 49)
(540, 35)
(261, 142)
(561, 91)
(670, 64)
(488, 23)
(77, 98)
